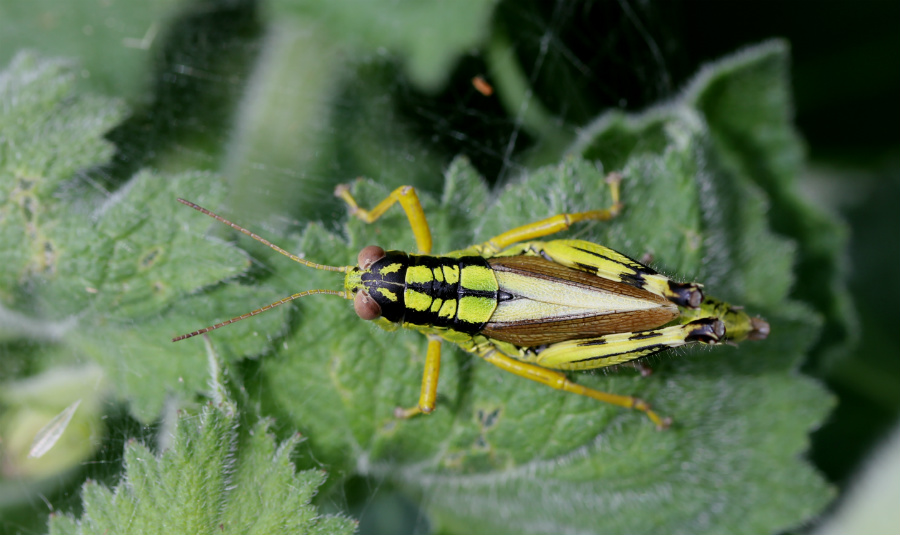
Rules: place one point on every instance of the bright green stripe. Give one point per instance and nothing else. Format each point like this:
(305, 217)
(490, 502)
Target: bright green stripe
(391, 296)
(476, 309)
(478, 278)
(448, 309)
(391, 268)
(418, 275)
(417, 300)
(451, 273)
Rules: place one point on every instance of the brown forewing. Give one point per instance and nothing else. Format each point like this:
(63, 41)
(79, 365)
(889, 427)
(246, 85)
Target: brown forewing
(580, 324)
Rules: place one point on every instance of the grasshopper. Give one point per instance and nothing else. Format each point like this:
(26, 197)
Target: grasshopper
(528, 306)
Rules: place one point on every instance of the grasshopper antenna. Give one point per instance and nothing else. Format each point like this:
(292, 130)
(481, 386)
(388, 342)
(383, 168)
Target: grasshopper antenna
(260, 239)
(258, 311)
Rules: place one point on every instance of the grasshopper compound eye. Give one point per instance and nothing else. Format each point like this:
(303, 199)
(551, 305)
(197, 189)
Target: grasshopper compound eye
(368, 256)
(366, 307)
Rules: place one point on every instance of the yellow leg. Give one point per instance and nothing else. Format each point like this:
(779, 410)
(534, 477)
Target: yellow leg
(409, 201)
(428, 394)
(559, 381)
(557, 223)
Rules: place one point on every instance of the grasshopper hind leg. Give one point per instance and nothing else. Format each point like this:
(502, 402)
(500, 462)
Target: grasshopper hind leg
(559, 381)
(613, 349)
(540, 364)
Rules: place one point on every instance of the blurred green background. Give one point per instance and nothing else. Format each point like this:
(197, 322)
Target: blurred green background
(211, 84)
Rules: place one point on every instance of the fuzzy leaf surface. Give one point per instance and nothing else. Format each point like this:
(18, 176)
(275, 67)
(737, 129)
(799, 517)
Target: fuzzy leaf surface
(211, 480)
(110, 278)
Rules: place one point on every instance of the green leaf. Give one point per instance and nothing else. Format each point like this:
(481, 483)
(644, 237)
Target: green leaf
(213, 479)
(112, 38)
(47, 135)
(746, 102)
(497, 445)
(108, 278)
(430, 36)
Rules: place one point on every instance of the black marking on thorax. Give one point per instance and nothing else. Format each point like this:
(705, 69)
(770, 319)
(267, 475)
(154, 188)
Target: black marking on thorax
(386, 282)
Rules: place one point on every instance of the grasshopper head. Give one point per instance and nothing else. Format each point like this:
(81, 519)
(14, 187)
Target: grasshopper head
(366, 307)
(377, 284)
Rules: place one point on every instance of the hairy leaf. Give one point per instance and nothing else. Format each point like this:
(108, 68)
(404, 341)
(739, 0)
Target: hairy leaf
(211, 480)
(109, 278)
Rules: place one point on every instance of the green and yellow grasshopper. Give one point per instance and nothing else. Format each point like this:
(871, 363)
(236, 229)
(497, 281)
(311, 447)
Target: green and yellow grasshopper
(527, 306)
